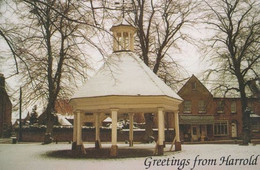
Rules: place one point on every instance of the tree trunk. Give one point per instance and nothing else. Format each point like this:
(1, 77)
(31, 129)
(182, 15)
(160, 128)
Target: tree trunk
(148, 137)
(245, 113)
(50, 121)
(246, 127)
(48, 134)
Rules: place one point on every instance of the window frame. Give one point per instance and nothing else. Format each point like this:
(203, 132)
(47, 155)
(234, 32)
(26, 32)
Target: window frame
(193, 86)
(185, 110)
(221, 128)
(233, 107)
(202, 106)
(220, 106)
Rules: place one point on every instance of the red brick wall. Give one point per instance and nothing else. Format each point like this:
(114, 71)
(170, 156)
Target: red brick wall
(5, 114)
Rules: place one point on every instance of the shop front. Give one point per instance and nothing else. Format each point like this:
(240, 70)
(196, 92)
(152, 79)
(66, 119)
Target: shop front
(195, 128)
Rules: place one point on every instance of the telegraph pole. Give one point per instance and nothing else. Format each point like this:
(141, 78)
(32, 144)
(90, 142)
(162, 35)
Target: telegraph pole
(20, 116)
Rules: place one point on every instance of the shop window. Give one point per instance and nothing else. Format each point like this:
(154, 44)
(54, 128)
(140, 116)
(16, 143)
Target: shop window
(187, 107)
(220, 129)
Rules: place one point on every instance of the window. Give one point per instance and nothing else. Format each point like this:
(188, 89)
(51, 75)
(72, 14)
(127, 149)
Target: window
(193, 85)
(220, 106)
(233, 107)
(220, 129)
(202, 106)
(187, 107)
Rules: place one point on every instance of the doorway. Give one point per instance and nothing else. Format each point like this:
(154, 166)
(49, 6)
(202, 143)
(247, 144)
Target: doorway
(195, 132)
(234, 130)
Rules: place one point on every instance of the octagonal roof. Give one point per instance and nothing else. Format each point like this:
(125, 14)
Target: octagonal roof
(124, 74)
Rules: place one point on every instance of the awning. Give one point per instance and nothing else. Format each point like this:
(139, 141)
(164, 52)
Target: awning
(196, 119)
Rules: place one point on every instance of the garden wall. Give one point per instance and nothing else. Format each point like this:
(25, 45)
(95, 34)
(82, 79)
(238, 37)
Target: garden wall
(65, 134)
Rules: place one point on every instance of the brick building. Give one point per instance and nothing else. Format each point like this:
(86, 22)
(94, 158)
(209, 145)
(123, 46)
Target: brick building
(5, 110)
(205, 117)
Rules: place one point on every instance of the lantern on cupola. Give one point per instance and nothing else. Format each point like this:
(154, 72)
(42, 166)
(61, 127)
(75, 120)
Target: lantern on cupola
(123, 34)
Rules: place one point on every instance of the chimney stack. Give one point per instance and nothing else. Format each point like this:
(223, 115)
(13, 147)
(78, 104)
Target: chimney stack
(2, 81)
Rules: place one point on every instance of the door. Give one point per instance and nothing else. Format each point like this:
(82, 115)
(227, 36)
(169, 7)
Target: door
(195, 133)
(234, 130)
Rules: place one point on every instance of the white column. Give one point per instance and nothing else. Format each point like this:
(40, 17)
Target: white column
(122, 41)
(129, 41)
(79, 130)
(176, 123)
(75, 128)
(114, 126)
(115, 41)
(131, 129)
(97, 123)
(160, 126)
(132, 42)
(164, 129)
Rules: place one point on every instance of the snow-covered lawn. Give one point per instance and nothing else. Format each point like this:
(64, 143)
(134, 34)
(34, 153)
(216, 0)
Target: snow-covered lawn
(206, 156)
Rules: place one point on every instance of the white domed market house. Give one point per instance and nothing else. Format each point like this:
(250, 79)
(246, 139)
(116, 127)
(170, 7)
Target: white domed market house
(124, 85)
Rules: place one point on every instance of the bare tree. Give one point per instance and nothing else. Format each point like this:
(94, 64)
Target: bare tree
(235, 48)
(53, 48)
(8, 33)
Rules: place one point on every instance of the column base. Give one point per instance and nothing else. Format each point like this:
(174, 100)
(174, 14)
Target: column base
(73, 146)
(80, 149)
(131, 143)
(160, 150)
(177, 146)
(114, 151)
(97, 144)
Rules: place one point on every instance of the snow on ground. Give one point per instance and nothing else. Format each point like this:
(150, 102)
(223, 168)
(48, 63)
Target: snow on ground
(204, 156)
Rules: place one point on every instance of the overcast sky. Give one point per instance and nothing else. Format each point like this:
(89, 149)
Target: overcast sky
(189, 57)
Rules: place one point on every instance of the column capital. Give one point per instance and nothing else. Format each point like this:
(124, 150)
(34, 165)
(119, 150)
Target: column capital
(114, 110)
(78, 111)
(160, 109)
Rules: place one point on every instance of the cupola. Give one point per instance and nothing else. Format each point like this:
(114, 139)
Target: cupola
(123, 34)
